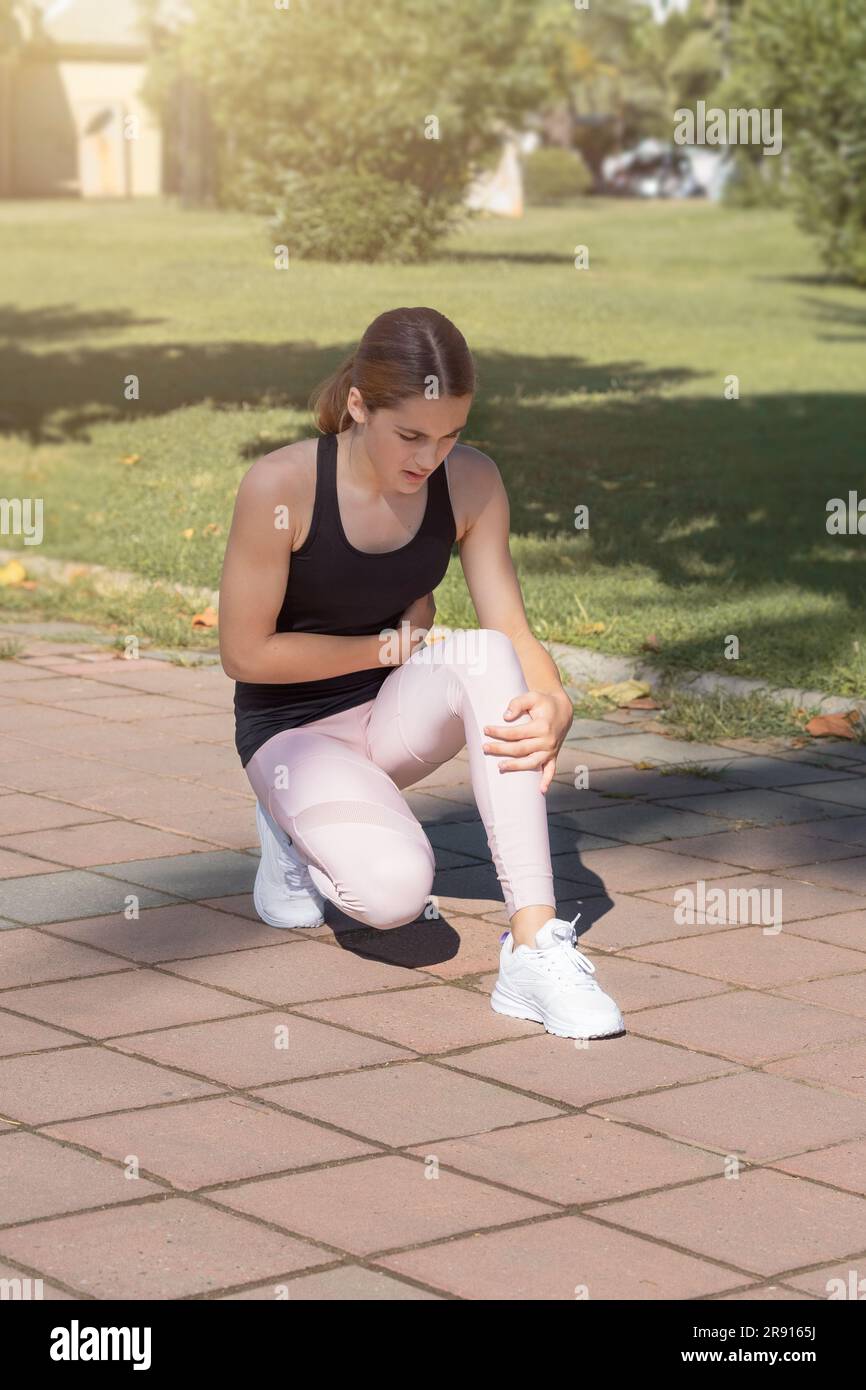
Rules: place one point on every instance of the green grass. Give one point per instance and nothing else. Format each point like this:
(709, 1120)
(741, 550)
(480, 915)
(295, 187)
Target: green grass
(602, 387)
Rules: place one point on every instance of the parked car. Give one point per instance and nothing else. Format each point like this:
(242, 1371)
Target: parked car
(653, 169)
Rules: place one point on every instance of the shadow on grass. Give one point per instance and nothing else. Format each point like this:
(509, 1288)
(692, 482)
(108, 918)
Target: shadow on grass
(699, 490)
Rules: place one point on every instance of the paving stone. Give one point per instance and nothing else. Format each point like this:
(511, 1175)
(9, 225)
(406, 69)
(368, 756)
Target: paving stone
(591, 728)
(762, 807)
(16, 866)
(76, 1081)
(835, 1068)
(618, 920)
(201, 1143)
(395, 1202)
(169, 1249)
(844, 992)
(28, 957)
(257, 1049)
(81, 846)
(779, 772)
(23, 1035)
(747, 1221)
(74, 893)
(750, 1116)
(39, 1177)
(774, 848)
(170, 933)
(640, 825)
(561, 1259)
(745, 1026)
(638, 748)
(190, 875)
(436, 810)
(848, 829)
(574, 1159)
(632, 868)
(382, 1104)
(346, 1283)
(752, 957)
(20, 812)
(294, 972)
(841, 1165)
(844, 929)
(830, 1280)
(670, 1099)
(582, 1075)
(105, 1005)
(849, 874)
(437, 1019)
(798, 899)
(47, 1291)
(470, 837)
(651, 783)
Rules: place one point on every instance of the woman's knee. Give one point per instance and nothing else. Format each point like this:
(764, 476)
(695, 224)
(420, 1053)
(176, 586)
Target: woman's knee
(480, 650)
(397, 885)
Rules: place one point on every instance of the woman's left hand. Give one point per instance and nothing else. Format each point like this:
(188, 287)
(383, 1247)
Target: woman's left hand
(535, 742)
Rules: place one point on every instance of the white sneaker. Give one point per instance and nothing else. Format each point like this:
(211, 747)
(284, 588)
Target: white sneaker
(284, 894)
(553, 984)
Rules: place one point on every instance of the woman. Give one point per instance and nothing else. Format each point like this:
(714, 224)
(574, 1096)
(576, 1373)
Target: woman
(325, 606)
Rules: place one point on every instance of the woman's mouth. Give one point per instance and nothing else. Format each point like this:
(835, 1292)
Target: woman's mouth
(415, 477)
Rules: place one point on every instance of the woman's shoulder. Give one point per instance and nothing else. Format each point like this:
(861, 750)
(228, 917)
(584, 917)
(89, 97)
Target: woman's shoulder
(473, 480)
(285, 476)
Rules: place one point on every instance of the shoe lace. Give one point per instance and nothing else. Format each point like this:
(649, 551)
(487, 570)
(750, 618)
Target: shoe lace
(569, 965)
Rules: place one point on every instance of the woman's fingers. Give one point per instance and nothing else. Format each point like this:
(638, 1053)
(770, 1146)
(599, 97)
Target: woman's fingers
(527, 764)
(530, 728)
(548, 772)
(516, 750)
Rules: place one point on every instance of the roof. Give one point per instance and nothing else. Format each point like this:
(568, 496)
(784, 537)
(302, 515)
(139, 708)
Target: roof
(86, 23)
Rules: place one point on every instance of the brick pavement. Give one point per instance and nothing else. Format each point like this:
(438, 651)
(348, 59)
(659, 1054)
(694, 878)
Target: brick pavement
(196, 1105)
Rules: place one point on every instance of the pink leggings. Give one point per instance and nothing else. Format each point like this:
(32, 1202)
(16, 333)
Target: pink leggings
(334, 784)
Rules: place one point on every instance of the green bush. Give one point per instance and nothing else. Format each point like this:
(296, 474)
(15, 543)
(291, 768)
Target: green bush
(553, 175)
(354, 217)
(756, 183)
(809, 60)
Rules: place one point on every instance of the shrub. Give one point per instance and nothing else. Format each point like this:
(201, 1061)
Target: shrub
(553, 175)
(340, 216)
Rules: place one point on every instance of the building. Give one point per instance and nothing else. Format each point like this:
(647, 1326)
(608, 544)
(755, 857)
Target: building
(72, 118)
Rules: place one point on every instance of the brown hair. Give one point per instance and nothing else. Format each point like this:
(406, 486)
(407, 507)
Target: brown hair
(398, 354)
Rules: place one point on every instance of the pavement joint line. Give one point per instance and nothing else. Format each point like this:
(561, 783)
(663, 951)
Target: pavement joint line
(584, 1211)
(390, 1150)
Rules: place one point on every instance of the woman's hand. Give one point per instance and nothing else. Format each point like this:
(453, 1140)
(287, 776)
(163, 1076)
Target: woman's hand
(419, 616)
(536, 741)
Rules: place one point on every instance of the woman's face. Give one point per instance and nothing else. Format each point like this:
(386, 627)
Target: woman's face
(406, 444)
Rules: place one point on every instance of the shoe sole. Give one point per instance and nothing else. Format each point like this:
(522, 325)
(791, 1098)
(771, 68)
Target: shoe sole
(276, 921)
(512, 1009)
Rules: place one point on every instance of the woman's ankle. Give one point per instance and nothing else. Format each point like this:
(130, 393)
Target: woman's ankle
(529, 920)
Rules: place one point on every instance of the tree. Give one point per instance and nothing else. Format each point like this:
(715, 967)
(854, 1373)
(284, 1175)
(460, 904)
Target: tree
(809, 61)
(328, 102)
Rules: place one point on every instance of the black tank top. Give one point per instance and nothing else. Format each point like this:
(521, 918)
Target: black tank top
(334, 588)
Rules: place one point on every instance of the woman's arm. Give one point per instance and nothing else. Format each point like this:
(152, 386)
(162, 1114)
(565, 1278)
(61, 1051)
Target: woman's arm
(496, 595)
(253, 586)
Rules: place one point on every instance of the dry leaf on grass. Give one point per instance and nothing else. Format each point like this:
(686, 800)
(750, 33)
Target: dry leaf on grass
(644, 702)
(834, 725)
(206, 619)
(12, 573)
(619, 693)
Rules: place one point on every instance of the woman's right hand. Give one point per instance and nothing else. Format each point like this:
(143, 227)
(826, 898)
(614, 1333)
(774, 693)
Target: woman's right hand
(415, 623)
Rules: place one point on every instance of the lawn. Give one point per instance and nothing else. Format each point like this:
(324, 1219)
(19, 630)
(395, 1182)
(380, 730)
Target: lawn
(602, 387)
